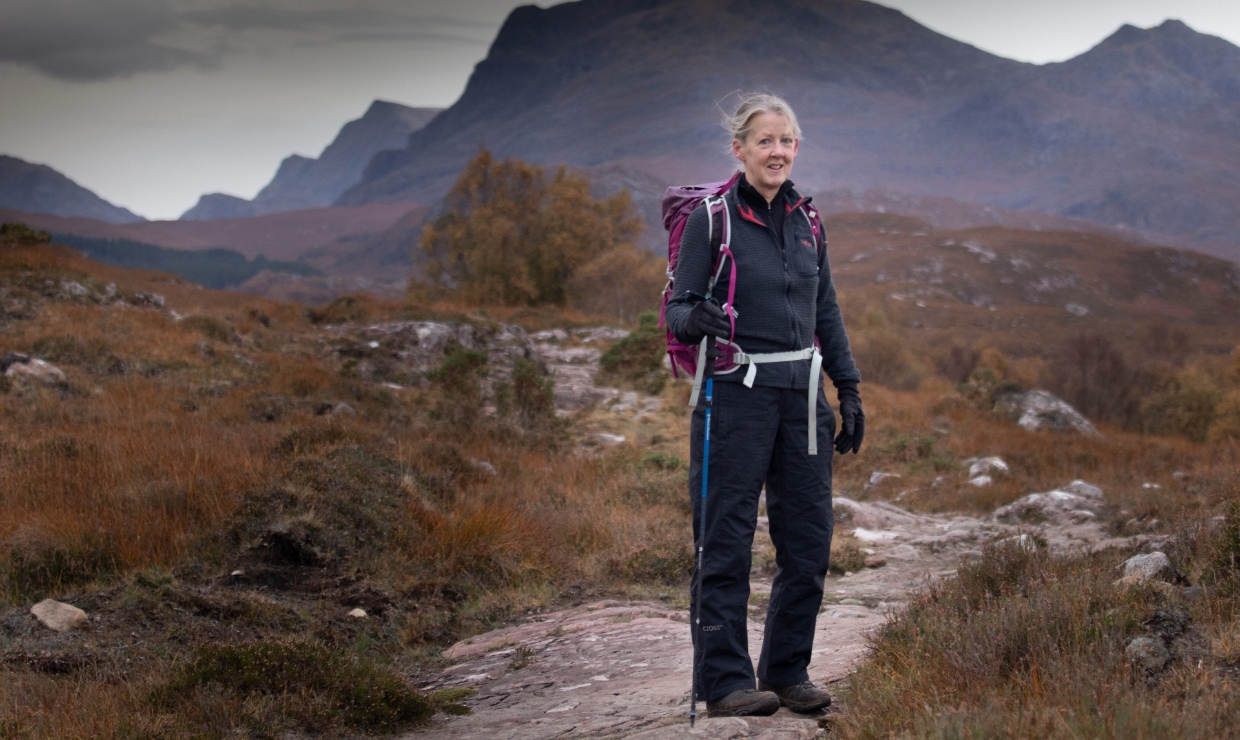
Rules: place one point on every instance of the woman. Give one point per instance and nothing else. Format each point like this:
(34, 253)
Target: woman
(760, 430)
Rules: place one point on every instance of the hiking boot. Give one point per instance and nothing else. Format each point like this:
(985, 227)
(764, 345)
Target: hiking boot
(744, 703)
(800, 697)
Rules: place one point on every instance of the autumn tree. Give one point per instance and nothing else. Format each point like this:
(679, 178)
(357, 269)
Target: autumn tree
(513, 235)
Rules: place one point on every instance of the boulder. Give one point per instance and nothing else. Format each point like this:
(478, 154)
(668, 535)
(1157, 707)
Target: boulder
(1151, 566)
(1073, 504)
(58, 616)
(1036, 410)
(1147, 652)
(21, 368)
(986, 466)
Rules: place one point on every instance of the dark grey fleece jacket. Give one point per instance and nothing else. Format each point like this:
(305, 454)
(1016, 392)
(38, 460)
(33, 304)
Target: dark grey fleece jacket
(784, 293)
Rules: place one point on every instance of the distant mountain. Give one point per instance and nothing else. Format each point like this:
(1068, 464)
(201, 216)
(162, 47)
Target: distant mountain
(302, 183)
(37, 188)
(1140, 132)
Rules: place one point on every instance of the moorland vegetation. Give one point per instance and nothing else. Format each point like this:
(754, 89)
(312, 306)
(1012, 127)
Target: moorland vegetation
(219, 481)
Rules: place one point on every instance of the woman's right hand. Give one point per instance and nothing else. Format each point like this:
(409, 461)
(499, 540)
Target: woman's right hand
(708, 319)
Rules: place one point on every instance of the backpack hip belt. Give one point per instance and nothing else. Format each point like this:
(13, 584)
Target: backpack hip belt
(742, 358)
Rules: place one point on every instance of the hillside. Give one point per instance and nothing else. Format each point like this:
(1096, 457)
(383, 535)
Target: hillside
(1136, 133)
(37, 188)
(1027, 291)
(375, 517)
(302, 182)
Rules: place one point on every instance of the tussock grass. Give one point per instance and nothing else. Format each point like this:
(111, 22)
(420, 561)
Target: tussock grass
(1025, 644)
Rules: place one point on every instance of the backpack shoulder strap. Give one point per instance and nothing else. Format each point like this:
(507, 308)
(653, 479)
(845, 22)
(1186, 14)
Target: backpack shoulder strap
(717, 209)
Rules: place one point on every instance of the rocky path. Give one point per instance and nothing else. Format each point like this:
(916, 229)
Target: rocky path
(622, 669)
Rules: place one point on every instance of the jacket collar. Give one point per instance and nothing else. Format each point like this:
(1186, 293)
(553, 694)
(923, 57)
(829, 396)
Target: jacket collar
(750, 203)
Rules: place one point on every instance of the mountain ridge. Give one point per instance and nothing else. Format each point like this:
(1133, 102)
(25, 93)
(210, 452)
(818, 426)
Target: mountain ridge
(302, 183)
(37, 188)
(1134, 133)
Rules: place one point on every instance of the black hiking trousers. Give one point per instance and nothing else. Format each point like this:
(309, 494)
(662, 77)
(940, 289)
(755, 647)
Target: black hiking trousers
(759, 435)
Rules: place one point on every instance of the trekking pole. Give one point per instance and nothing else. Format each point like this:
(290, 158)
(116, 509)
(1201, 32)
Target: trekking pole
(708, 374)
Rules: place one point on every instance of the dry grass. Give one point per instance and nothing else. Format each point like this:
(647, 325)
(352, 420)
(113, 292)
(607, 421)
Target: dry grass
(182, 451)
(1023, 644)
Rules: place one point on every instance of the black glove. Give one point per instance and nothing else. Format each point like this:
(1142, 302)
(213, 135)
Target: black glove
(708, 319)
(852, 426)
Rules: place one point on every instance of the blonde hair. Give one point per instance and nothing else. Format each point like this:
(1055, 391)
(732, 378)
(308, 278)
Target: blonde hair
(755, 104)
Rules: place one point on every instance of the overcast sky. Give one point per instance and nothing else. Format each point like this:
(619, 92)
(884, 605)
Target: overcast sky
(151, 103)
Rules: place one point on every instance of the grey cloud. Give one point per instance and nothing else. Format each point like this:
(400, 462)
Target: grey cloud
(95, 40)
(87, 40)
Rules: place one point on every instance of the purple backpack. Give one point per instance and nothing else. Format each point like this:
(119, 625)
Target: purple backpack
(678, 203)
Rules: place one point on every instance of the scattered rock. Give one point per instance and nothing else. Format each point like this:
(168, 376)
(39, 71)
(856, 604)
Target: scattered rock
(1018, 541)
(609, 439)
(1036, 410)
(1152, 566)
(358, 613)
(22, 368)
(987, 466)
(1074, 504)
(483, 465)
(981, 480)
(342, 409)
(58, 616)
(871, 535)
(1127, 582)
(1147, 652)
(875, 561)
(8, 359)
(878, 477)
(148, 299)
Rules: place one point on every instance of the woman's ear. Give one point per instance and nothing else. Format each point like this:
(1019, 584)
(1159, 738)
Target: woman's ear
(736, 150)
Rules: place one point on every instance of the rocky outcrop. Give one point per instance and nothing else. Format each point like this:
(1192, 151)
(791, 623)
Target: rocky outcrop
(1035, 410)
(1075, 503)
(402, 352)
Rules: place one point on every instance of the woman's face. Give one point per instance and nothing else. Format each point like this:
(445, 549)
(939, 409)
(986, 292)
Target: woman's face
(767, 153)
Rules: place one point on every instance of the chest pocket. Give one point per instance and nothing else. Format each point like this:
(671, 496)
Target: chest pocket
(802, 251)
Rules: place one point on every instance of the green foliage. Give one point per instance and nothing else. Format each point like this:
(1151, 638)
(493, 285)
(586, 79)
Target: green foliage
(514, 236)
(211, 268)
(312, 688)
(458, 380)
(637, 360)
(529, 399)
(23, 234)
(846, 557)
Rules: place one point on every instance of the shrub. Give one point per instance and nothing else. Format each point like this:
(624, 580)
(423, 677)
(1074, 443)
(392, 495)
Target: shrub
(310, 687)
(636, 361)
(619, 284)
(23, 234)
(882, 355)
(458, 380)
(513, 236)
(529, 399)
(1093, 375)
(1227, 418)
(1186, 407)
